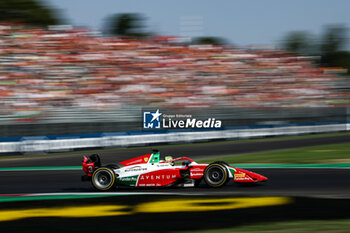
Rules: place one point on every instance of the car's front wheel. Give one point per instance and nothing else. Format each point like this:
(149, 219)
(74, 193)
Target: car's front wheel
(103, 179)
(215, 175)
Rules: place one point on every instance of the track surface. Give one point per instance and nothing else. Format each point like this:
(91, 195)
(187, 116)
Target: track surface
(318, 185)
(286, 182)
(296, 182)
(134, 216)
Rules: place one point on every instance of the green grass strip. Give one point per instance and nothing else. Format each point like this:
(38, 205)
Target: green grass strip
(64, 196)
(49, 197)
(325, 154)
(310, 226)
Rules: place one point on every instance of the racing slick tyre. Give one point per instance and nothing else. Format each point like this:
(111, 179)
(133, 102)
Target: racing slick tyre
(222, 163)
(103, 179)
(215, 175)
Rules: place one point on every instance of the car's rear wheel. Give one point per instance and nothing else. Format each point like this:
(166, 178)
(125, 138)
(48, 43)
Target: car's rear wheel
(215, 175)
(103, 179)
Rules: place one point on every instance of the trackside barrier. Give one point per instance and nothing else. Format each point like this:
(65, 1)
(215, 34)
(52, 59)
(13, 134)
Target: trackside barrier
(144, 138)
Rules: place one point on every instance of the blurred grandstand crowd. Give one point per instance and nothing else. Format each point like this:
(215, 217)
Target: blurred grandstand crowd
(45, 69)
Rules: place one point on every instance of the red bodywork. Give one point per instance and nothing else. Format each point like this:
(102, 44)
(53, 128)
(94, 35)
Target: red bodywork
(244, 176)
(88, 166)
(138, 160)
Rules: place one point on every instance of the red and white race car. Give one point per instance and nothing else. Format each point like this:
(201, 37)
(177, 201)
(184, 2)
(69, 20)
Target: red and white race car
(149, 171)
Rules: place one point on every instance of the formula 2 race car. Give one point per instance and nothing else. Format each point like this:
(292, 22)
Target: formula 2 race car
(149, 171)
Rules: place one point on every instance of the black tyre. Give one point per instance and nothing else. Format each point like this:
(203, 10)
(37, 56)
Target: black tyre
(222, 163)
(215, 175)
(103, 179)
